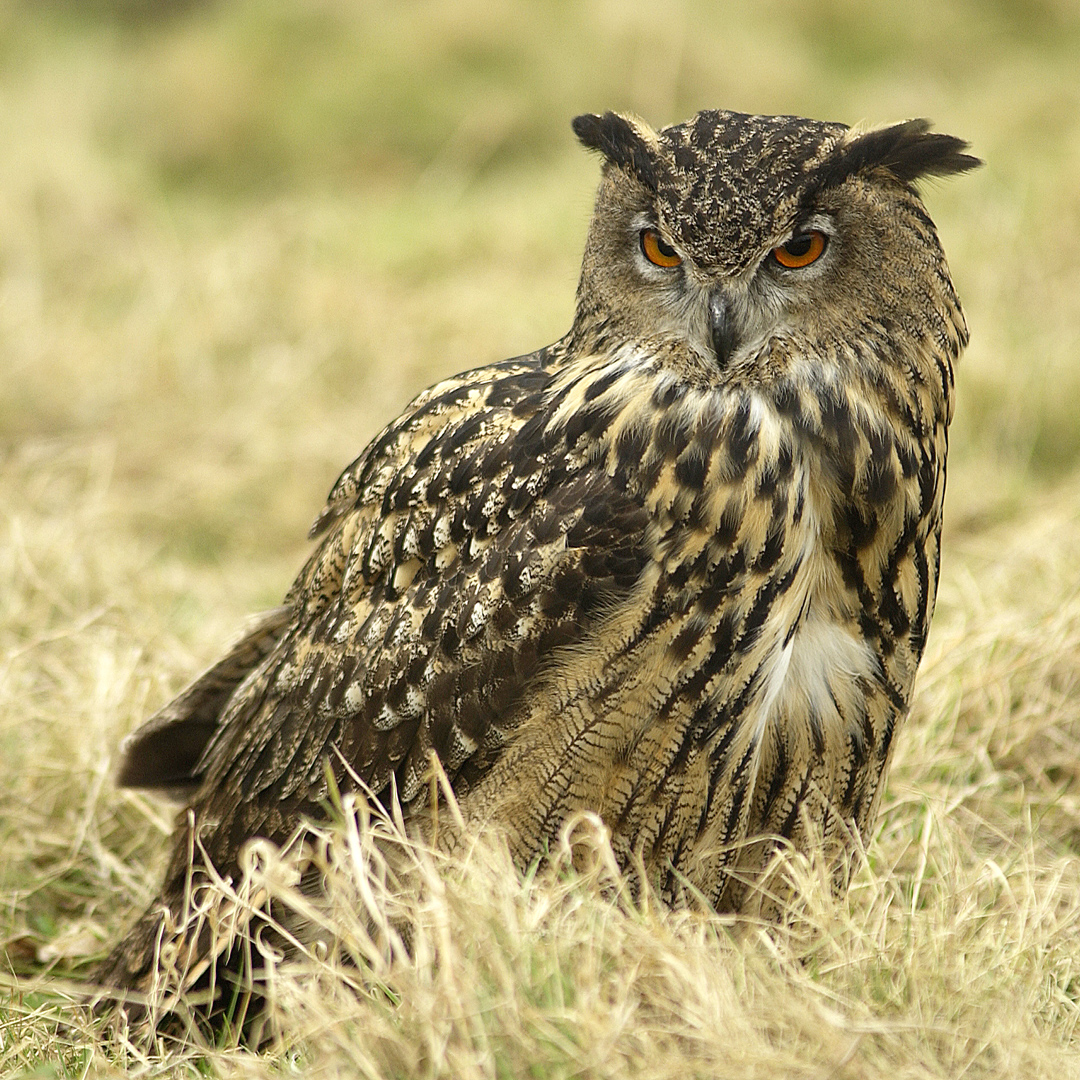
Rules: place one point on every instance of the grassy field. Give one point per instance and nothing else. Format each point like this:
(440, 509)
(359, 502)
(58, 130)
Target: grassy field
(235, 238)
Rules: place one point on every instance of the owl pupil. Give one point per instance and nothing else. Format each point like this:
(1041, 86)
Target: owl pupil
(665, 249)
(799, 245)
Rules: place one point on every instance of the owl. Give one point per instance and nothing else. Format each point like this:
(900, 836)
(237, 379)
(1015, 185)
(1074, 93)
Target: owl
(675, 570)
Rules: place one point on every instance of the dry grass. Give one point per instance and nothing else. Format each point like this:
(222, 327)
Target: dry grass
(234, 238)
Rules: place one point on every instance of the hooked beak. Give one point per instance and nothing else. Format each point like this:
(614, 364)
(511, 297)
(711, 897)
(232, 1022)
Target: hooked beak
(722, 326)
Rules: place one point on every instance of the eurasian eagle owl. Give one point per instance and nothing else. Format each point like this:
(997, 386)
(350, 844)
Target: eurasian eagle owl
(676, 569)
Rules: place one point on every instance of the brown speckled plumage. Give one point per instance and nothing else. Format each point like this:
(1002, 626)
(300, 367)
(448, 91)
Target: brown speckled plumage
(676, 569)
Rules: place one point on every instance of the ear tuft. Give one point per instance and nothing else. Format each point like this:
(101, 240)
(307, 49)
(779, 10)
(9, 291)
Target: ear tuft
(908, 151)
(620, 142)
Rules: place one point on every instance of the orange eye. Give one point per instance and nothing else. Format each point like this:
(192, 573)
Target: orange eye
(656, 251)
(801, 250)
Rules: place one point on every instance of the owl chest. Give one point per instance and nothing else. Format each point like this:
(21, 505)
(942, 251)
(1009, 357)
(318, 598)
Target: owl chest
(802, 664)
(817, 651)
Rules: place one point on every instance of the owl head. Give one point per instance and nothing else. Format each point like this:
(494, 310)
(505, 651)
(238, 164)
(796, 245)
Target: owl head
(718, 235)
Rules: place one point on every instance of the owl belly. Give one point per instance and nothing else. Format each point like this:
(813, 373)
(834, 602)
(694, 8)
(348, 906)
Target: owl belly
(797, 766)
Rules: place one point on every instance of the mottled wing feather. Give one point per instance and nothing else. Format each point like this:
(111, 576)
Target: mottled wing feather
(502, 385)
(441, 590)
(327, 677)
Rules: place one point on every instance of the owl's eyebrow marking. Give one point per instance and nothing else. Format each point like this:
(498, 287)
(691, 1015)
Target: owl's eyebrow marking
(812, 218)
